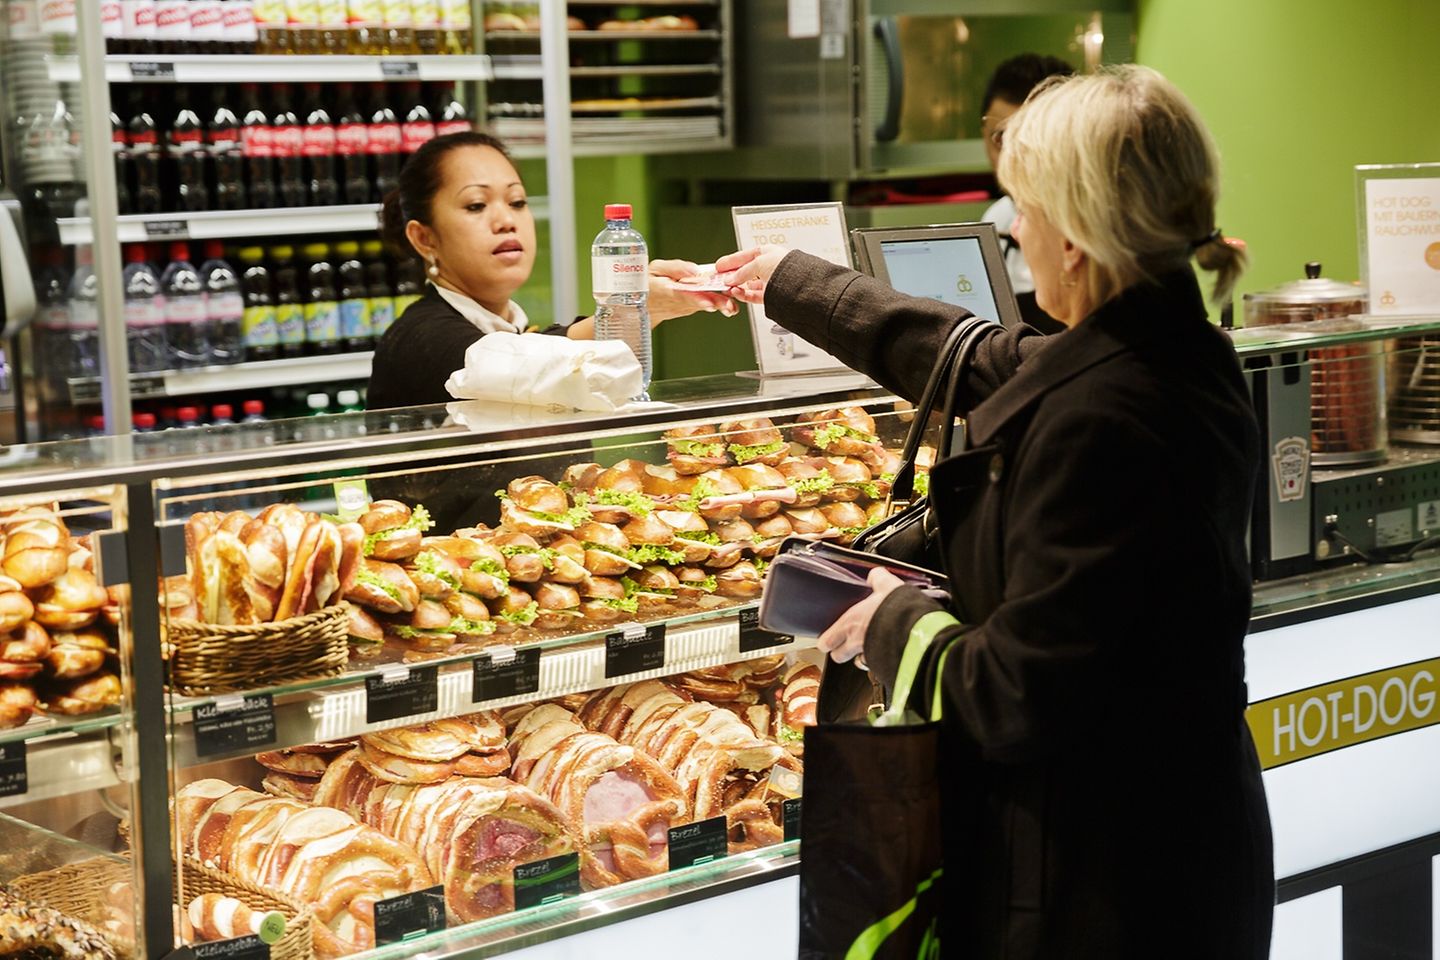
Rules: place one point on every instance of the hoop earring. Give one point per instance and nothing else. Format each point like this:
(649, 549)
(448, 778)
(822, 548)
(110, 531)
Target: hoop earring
(433, 269)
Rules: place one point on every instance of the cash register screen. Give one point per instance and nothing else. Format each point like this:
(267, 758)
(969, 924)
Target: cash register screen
(960, 264)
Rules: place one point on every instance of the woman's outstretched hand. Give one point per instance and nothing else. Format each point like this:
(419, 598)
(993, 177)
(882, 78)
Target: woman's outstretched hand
(748, 271)
(845, 639)
(671, 298)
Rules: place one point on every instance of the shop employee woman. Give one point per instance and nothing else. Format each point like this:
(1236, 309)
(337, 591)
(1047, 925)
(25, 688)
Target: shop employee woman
(1107, 796)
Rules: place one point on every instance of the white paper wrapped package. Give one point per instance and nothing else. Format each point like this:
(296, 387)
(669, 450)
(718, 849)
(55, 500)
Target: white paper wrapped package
(548, 371)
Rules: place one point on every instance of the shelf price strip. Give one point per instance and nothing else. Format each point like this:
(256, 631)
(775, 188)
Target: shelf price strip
(14, 772)
(700, 842)
(546, 881)
(401, 691)
(502, 671)
(232, 723)
(752, 638)
(409, 915)
(634, 649)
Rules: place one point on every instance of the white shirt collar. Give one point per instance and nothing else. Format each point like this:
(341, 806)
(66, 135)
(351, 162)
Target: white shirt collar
(484, 320)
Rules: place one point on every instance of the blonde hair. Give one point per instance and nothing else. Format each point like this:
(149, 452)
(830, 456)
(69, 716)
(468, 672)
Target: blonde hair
(1121, 163)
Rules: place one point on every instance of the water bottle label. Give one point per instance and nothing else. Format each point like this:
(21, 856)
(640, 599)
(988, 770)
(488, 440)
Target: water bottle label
(24, 18)
(317, 141)
(112, 19)
(172, 20)
(382, 314)
(258, 141)
(624, 274)
(225, 306)
(414, 135)
(57, 16)
(259, 328)
(381, 138)
(396, 13)
(55, 317)
(290, 323)
(302, 12)
(270, 12)
(355, 319)
(207, 20)
(350, 139)
(190, 310)
(455, 14)
(322, 321)
(332, 13)
(240, 21)
(288, 141)
(364, 13)
(138, 19)
(138, 313)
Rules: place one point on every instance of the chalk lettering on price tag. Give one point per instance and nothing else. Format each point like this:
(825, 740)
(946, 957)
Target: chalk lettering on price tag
(790, 817)
(14, 772)
(505, 672)
(238, 722)
(546, 881)
(403, 692)
(635, 649)
(698, 842)
(752, 638)
(409, 915)
(240, 948)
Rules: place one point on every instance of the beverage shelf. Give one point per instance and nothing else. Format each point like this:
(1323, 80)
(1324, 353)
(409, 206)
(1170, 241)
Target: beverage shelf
(266, 68)
(257, 375)
(649, 70)
(501, 35)
(335, 708)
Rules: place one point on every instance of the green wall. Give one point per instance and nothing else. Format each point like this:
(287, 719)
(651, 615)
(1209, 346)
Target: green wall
(1296, 94)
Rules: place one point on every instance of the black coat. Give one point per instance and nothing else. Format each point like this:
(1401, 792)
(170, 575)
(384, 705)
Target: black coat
(1105, 797)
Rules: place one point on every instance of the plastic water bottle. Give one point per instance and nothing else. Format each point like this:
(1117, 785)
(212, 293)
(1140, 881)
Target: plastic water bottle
(619, 266)
(185, 320)
(144, 314)
(224, 306)
(84, 327)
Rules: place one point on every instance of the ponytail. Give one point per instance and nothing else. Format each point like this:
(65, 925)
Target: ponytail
(1226, 259)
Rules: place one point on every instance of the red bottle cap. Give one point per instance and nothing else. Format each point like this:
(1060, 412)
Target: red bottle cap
(252, 407)
(186, 414)
(214, 249)
(180, 250)
(143, 421)
(222, 411)
(135, 253)
(617, 211)
(96, 422)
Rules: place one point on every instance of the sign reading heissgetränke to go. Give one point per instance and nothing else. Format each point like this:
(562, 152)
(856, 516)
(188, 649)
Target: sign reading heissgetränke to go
(1399, 214)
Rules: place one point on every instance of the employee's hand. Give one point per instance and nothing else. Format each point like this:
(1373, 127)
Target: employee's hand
(748, 271)
(845, 640)
(670, 298)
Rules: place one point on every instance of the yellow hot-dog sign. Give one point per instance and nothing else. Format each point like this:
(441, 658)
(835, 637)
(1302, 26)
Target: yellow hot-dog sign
(1307, 723)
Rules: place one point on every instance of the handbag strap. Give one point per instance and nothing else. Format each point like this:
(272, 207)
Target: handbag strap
(922, 635)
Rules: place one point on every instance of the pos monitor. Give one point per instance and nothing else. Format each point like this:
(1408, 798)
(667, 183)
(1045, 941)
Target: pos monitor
(959, 264)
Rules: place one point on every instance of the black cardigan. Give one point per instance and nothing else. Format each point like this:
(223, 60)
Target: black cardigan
(418, 353)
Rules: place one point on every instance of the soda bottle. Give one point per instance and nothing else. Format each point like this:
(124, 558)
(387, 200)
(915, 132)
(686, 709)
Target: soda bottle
(365, 26)
(289, 308)
(261, 337)
(187, 150)
(409, 284)
(303, 17)
(145, 156)
(82, 357)
(240, 29)
(322, 309)
(350, 146)
(355, 323)
(52, 318)
(620, 271)
(257, 145)
(398, 27)
(137, 27)
(318, 150)
(112, 25)
(228, 153)
(184, 301)
(452, 117)
(418, 127)
(377, 288)
(383, 142)
(95, 425)
(224, 306)
(254, 411)
(289, 143)
(334, 33)
(272, 34)
(172, 26)
(207, 25)
(455, 19)
(144, 422)
(124, 168)
(222, 415)
(425, 14)
(144, 314)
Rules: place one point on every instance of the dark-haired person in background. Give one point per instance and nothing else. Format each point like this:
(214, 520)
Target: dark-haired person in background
(1009, 85)
(461, 207)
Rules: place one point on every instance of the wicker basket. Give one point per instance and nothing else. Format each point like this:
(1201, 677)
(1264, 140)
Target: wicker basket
(207, 658)
(78, 890)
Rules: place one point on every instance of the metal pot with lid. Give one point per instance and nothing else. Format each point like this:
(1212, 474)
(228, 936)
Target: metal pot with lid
(1347, 383)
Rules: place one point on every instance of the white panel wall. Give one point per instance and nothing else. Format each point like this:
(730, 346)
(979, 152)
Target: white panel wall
(1309, 928)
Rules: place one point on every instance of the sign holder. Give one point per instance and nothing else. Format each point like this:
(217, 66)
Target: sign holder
(1398, 215)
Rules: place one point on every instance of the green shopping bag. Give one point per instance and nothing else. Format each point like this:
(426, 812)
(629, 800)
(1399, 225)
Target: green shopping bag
(871, 871)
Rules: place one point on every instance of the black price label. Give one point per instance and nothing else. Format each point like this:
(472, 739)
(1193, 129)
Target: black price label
(790, 818)
(395, 69)
(172, 549)
(240, 948)
(167, 228)
(698, 842)
(547, 881)
(151, 70)
(227, 724)
(409, 915)
(505, 673)
(14, 773)
(401, 693)
(752, 638)
(634, 649)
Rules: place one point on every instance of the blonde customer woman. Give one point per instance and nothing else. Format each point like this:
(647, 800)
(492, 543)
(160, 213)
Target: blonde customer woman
(1106, 798)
